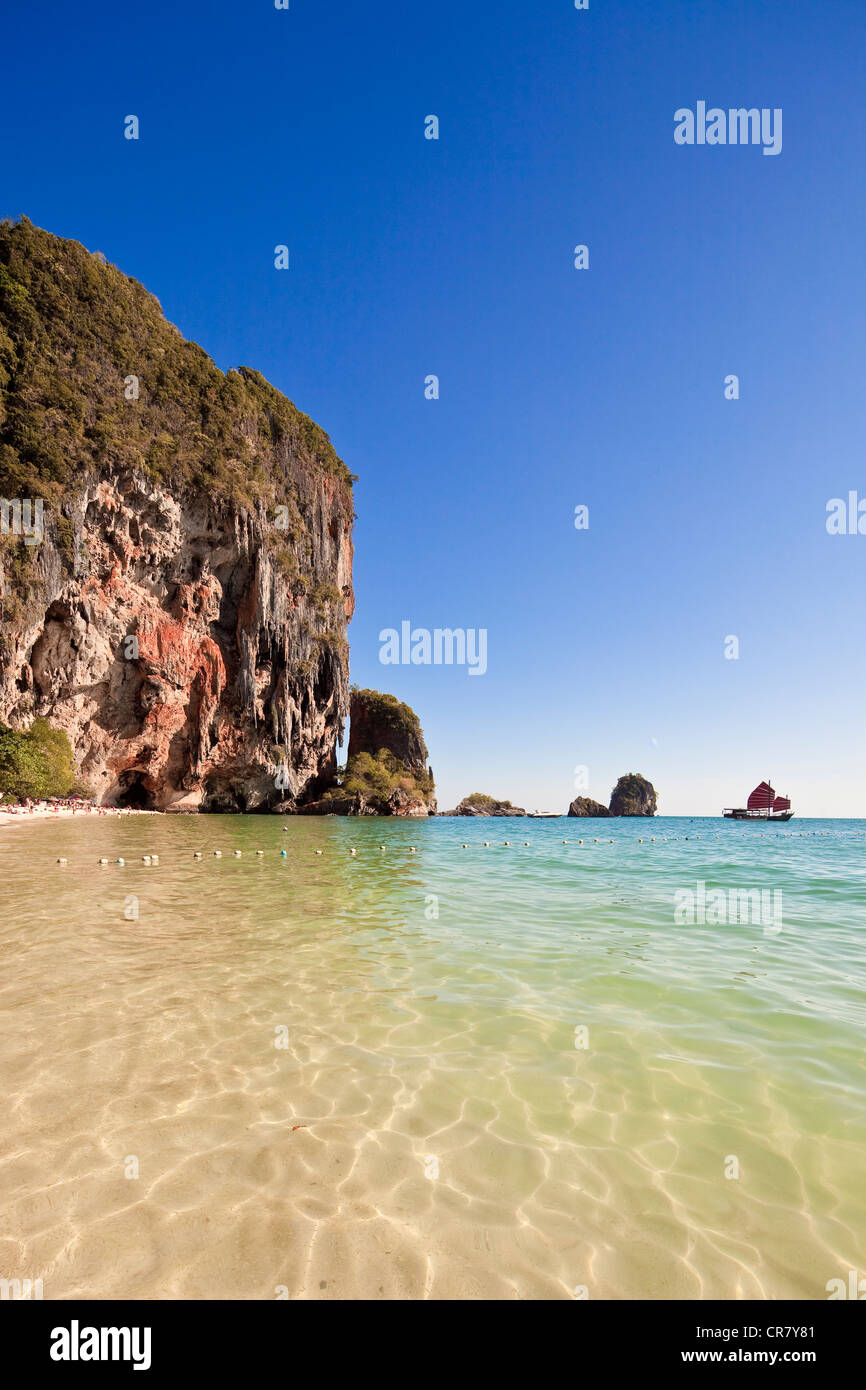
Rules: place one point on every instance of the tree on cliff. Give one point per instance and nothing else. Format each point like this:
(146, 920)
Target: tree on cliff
(36, 764)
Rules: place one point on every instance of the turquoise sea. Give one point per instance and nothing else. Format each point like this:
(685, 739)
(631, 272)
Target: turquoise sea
(500, 1071)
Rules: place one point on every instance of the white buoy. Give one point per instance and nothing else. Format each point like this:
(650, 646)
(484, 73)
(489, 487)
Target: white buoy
(508, 842)
(285, 830)
(381, 846)
(353, 851)
(412, 849)
(318, 851)
(217, 854)
(464, 846)
(145, 859)
(580, 842)
(121, 861)
(66, 861)
(486, 844)
(197, 854)
(154, 858)
(260, 854)
(526, 842)
(595, 842)
(237, 854)
(103, 861)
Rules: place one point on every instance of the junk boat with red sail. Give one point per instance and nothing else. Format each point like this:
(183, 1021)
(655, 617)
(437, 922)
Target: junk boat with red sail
(763, 804)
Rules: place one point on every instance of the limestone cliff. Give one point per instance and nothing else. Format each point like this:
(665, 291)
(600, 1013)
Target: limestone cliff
(180, 608)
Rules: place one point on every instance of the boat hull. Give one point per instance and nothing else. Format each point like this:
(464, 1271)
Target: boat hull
(742, 814)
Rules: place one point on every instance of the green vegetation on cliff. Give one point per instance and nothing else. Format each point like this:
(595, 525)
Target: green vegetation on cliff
(387, 713)
(386, 768)
(377, 778)
(36, 763)
(480, 804)
(73, 331)
(482, 801)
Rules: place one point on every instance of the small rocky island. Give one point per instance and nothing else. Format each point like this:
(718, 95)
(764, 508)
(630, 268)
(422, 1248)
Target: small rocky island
(633, 795)
(479, 804)
(585, 806)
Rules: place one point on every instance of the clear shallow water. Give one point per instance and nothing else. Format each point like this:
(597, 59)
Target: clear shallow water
(455, 1142)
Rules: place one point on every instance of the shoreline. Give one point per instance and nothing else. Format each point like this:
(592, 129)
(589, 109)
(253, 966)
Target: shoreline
(45, 813)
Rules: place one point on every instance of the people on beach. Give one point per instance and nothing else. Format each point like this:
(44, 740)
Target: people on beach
(60, 806)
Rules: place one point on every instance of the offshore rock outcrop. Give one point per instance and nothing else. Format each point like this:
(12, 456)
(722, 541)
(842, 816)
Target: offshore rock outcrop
(386, 772)
(380, 721)
(585, 806)
(633, 795)
(182, 615)
(479, 804)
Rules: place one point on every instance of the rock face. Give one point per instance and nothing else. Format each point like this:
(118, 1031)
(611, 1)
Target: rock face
(585, 806)
(183, 614)
(479, 804)
(633, 795)
(386, 771)
(378, 721)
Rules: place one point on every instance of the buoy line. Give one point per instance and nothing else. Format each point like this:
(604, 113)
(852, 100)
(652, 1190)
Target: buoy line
(152, 860)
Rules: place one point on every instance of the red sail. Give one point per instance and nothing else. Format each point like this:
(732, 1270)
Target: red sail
(761, 798)
(781, 804)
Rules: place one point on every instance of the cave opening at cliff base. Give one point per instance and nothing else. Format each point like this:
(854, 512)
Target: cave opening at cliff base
(133, 794)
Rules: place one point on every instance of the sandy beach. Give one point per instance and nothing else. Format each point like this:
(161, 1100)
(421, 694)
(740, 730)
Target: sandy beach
(21, 816)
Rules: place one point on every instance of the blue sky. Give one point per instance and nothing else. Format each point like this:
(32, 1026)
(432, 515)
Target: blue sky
(558, 387)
